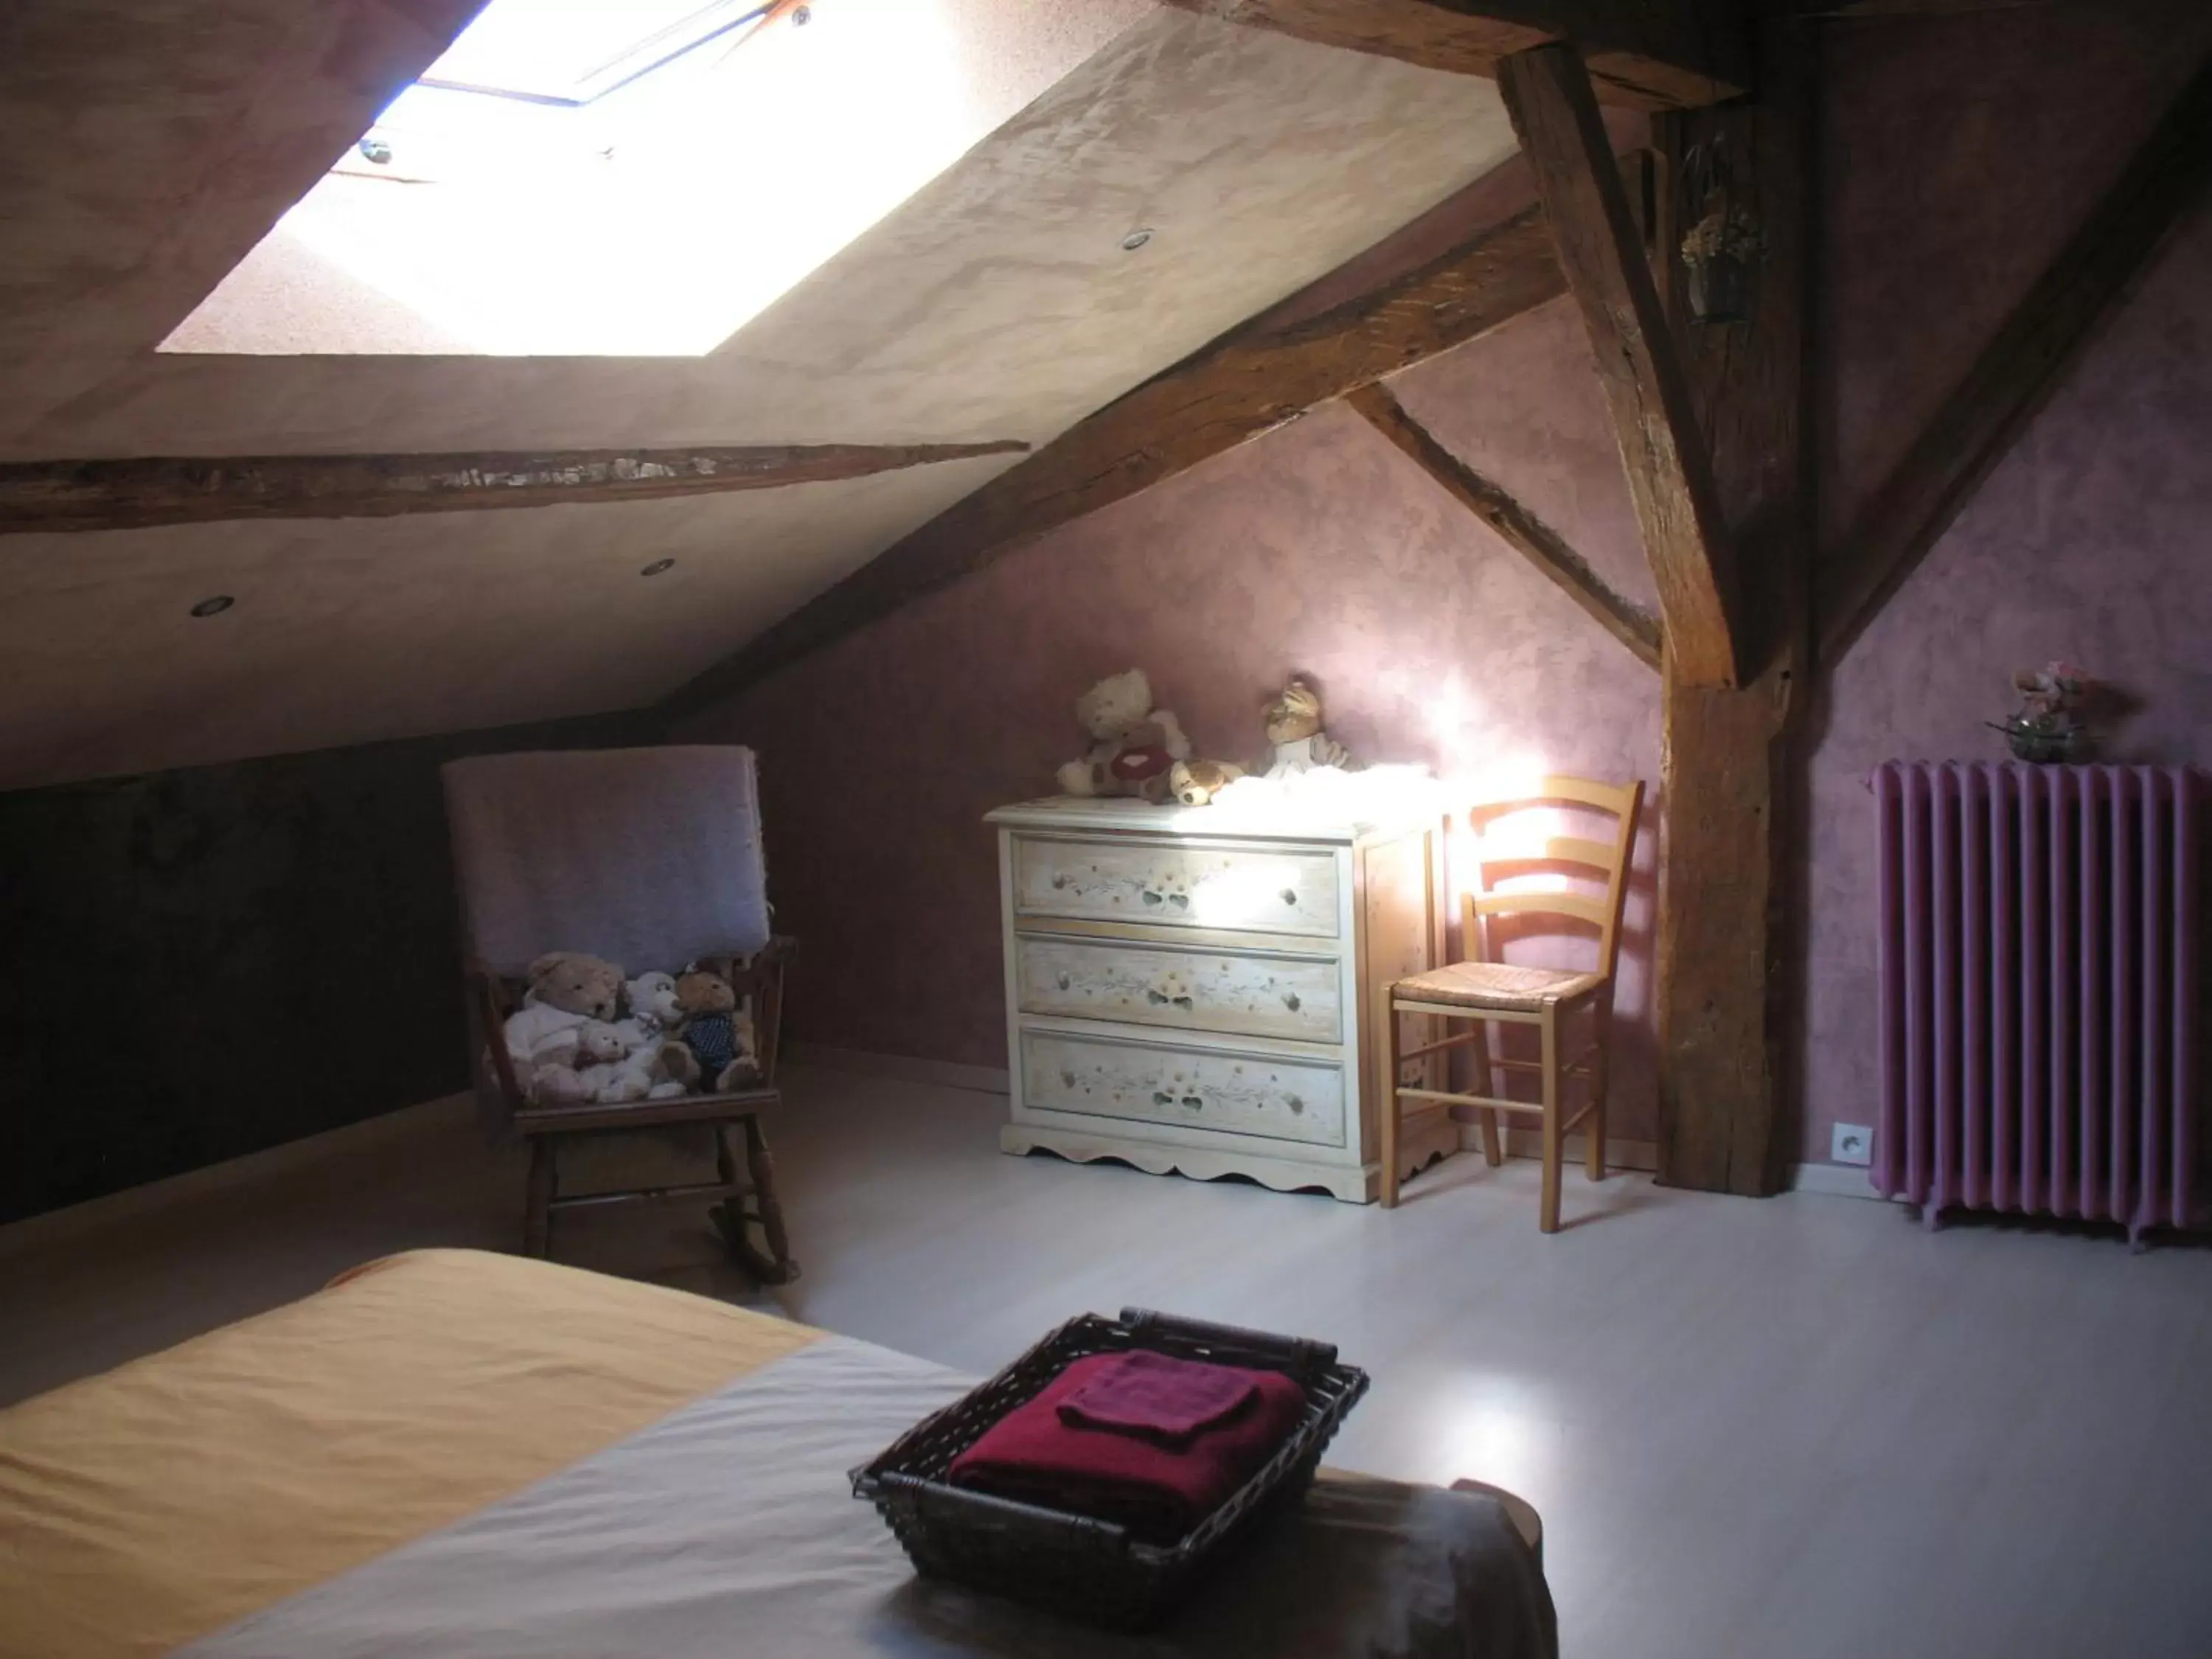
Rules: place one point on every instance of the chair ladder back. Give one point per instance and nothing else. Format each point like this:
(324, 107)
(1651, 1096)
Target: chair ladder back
(1610, 859)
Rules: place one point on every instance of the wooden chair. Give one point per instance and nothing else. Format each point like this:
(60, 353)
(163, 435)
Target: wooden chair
(651, 857)
(1484, 988)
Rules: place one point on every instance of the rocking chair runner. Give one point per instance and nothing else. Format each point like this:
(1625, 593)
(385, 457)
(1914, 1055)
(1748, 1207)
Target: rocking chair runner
(651, 857)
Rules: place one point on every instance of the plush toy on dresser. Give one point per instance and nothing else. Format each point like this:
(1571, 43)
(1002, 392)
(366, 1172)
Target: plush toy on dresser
(1135, 745)
(1294, 726)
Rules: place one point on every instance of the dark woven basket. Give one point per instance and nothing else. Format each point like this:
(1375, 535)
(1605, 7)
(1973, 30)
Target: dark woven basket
(1086, 1570)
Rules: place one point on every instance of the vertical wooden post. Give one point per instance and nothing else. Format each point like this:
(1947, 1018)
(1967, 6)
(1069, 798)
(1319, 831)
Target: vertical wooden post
(1729, 942)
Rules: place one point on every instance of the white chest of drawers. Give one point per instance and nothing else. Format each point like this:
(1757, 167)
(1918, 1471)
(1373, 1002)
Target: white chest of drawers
(1195, 992)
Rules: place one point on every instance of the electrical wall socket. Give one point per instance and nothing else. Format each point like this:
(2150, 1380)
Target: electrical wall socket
(1852, 1143)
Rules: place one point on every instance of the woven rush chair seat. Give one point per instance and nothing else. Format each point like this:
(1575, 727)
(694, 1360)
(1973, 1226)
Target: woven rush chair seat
(1496, 985)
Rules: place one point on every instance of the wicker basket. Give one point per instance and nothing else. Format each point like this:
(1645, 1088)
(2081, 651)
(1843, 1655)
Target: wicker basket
(1087, 1569)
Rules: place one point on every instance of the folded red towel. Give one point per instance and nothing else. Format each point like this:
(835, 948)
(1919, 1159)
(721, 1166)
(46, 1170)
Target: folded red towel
(1157, 1493)
(1157, 1397)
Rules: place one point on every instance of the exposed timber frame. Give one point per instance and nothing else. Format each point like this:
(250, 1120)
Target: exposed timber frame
(1672, 55)
(2016, 373)
(1249, 381)
(145, 491)
(1514, 525)
(1670, 476)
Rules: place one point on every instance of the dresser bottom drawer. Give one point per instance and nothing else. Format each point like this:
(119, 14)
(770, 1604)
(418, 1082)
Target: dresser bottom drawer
(1262, 1094)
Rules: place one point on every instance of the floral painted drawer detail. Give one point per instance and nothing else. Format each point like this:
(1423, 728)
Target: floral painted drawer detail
(1248, 992)
(1280, 1098)
(1165, 885)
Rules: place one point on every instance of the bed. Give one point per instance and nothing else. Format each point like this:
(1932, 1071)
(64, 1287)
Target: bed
(452, 1452)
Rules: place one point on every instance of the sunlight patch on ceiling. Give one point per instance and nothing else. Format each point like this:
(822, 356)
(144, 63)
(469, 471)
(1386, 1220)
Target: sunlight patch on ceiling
(631, 177)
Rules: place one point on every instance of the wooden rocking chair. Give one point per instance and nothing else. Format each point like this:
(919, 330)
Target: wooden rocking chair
(652, 859)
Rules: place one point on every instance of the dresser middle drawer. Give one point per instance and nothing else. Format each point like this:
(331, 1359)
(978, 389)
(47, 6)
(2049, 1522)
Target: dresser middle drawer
(1242, 992)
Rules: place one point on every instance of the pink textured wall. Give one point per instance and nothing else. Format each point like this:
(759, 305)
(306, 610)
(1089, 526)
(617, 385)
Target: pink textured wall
(1319, 549)
(2091, 539)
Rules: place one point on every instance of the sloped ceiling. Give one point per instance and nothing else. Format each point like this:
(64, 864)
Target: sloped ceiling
(163, 137)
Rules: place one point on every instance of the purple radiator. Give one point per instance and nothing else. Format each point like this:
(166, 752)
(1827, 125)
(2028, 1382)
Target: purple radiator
(2039, 944)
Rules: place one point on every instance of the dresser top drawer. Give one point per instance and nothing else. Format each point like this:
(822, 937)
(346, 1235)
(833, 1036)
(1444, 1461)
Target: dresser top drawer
(1164, 884)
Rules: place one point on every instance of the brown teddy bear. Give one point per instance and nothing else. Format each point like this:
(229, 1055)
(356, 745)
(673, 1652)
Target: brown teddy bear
(718, 1033)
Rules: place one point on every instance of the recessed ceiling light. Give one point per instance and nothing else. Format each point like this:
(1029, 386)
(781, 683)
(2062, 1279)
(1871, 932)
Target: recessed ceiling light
(1135, 239)
(656, 567)
(214, 605)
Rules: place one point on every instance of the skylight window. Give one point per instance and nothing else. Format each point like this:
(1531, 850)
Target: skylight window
(606, 177)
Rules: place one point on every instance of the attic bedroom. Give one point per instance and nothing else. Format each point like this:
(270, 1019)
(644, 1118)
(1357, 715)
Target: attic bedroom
(965, 827)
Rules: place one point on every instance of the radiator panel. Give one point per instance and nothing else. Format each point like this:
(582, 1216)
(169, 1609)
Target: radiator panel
(2038, 955)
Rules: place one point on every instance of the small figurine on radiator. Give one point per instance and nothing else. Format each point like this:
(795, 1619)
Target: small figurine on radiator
(1293, 719)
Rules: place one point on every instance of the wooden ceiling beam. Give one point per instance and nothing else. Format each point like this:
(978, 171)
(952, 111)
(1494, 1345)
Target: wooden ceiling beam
(1514, 525)
(144, 492)
(1670, 475)
(2016, 373)
(1249, 381)
(1643, 54)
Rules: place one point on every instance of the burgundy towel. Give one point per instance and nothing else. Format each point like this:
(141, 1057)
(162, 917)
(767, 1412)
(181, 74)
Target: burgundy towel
(1159, 1398)
(1159, 1494)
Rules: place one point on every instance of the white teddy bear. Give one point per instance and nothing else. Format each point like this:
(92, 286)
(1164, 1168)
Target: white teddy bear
(596, 1051)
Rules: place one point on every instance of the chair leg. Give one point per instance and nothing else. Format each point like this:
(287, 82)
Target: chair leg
(1601, 1078)
(1486, 1083)
(1548, 1219)
(773, 1265)
(538, 1210)
(1386, 1052)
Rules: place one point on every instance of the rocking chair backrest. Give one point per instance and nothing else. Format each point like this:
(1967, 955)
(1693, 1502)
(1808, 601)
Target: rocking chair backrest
(650, 858)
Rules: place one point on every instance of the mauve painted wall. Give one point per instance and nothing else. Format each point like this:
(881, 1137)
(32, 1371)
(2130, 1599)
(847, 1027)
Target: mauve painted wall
(1318, 548)
(2092, 538)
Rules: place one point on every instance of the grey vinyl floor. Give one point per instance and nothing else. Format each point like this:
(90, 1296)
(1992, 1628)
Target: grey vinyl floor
(1796, 1428)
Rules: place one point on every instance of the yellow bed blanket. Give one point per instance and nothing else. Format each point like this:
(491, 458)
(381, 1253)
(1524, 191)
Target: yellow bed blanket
(160, 1502)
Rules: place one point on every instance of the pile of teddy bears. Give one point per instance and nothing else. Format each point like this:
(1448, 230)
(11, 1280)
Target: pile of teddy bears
(585, 1035)
(1140, 751)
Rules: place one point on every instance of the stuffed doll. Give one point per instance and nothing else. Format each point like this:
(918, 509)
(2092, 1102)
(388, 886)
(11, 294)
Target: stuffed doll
(1293, 721)
(718, 1035)
(1135, 745)
(1195, 783)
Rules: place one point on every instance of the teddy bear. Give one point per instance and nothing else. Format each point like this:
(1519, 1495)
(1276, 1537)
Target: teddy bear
(648, 1036)
(1293, 724)
(595, 1051)
(564, 989)
(718, 1034)
(1195, 783)
(652, 999)
(1134, 744)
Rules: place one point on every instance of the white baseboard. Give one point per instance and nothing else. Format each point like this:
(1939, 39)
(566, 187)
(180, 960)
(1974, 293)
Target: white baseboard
(134, 1203)
(1523, 1141)
(945, 1074)
(1833, 1180)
